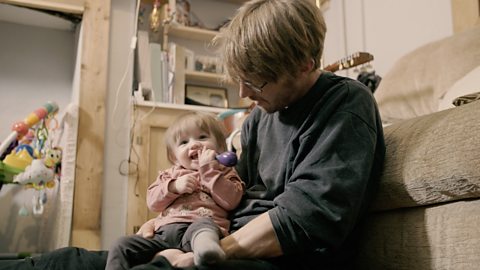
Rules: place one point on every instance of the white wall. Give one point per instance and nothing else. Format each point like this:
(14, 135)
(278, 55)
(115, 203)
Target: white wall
(390, 28)
(117, 120)
(36, 66)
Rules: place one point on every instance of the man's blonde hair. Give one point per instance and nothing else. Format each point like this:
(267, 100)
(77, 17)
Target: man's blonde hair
(267, 39)
(207, 122)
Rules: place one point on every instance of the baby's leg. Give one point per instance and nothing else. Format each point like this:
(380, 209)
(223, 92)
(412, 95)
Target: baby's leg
(205, 242)
(206, 247)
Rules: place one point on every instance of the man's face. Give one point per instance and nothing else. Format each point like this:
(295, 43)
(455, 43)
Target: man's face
(276, 96)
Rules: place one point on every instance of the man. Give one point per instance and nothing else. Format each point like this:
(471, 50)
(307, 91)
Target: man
(312, 149)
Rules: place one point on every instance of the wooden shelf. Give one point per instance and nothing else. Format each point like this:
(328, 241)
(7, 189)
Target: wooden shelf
(203, 77)
(72, 6)
(228, 1)
(26, 15)
(187, 32)
(180, 106)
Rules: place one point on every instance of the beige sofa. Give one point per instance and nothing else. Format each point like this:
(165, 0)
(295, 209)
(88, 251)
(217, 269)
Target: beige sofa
(427, 212)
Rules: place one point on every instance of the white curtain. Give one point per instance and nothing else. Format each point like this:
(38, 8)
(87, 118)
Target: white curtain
(61, 219)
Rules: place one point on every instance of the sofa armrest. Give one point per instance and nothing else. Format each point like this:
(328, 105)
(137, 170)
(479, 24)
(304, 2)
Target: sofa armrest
(431, 159)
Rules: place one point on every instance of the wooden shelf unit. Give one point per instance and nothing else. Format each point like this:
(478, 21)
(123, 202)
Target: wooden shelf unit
(187, 32)
(188, 38)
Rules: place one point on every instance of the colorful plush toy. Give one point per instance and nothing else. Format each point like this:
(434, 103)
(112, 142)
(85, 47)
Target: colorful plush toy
(36, 175)
(31, 159)
(53, 159)
(21, 128)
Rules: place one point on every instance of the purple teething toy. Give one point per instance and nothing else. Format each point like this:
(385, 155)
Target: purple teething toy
(228, 159)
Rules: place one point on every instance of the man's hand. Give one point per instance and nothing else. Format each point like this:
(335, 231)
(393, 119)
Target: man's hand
(184, 184)
(147, 230)
(177, 258)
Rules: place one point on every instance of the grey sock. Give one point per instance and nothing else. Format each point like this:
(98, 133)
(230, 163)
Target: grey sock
(206, 247)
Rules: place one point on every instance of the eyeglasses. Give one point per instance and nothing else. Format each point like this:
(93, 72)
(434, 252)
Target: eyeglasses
(258, 89)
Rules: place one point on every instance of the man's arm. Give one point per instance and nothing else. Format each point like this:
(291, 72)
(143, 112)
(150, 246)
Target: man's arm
(256, 239)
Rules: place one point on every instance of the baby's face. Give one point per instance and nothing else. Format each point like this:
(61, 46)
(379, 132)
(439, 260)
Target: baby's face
(188, 146)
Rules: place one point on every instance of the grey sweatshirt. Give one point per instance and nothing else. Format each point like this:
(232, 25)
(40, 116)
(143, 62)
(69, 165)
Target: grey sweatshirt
(314, 167)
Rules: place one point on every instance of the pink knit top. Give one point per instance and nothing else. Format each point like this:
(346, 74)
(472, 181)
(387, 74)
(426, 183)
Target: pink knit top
(221, 191)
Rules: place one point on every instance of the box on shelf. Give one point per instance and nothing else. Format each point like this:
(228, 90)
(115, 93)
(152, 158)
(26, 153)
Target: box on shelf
(207, 64)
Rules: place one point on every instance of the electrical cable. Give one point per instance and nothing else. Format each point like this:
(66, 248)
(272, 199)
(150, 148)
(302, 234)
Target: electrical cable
(133, 44)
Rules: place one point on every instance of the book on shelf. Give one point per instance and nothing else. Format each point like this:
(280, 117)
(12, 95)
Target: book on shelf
(142, 64)
(167, 78)
(151, 70)
(189, 59)
(176, 62)
(159, 71)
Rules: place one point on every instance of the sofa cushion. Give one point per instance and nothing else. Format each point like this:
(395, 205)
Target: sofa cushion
(417, 81)
(431, 159)
(434, 237)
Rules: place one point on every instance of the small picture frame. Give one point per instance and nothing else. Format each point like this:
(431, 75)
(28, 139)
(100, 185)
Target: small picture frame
(206, 96)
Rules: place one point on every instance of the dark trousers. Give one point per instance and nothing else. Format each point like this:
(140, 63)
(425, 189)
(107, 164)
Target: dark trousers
(129, 251)
(161, 263)
(72, 258)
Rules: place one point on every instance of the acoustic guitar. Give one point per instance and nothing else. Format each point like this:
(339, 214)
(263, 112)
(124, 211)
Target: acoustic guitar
(350, 61)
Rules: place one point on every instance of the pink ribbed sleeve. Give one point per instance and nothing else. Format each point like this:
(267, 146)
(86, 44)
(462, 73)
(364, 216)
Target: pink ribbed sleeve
(158, 196)
(223, 184)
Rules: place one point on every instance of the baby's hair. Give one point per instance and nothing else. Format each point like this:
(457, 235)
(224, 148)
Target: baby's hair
(206, 122)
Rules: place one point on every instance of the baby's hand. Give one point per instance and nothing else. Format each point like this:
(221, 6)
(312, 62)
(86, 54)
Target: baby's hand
(184, 184)
(205, 156)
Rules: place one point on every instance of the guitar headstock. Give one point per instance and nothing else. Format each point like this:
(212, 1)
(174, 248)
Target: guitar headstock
(350, 61)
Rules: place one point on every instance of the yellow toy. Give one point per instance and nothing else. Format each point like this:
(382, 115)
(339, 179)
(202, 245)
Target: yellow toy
(32, 161)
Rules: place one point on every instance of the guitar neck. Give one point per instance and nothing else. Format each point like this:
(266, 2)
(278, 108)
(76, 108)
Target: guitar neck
(350, 61)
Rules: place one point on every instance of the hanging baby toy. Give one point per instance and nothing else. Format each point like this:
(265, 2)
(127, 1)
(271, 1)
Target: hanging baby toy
(33, 161)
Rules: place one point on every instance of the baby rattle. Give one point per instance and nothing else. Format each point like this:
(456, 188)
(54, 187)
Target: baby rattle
(228, 158)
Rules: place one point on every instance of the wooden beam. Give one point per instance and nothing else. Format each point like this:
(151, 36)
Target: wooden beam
(465, 14)
(67, 6)
(87, 206)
